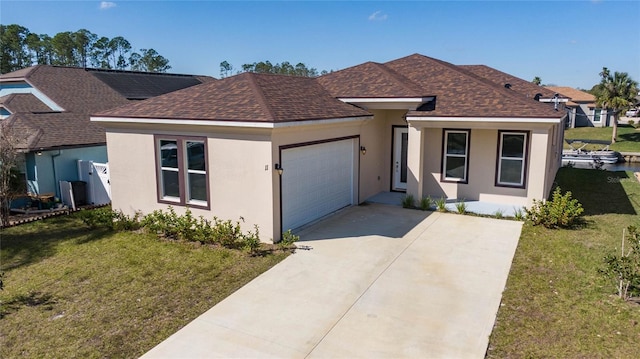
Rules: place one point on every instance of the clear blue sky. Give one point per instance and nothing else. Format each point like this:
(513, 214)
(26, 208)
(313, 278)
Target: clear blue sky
(566, 43)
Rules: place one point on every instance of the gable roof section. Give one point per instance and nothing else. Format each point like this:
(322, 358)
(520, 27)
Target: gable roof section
(574, 94)
(247, 97)
(370, 80)
(461, 94)
(526, 88)
(23, 102)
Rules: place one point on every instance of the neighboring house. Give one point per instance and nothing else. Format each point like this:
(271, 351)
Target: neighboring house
(52, 105)
(582, 108)
(281, 151)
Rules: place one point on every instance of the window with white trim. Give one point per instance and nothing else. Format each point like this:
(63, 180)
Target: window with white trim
(597, 114)
(512, 159)
(455, 157)
(182, 171)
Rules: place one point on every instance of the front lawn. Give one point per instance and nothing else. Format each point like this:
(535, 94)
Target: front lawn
(556, 304)
(73, 292)
(628, 137)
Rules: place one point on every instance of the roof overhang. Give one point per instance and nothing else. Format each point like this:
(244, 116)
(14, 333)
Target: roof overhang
(382, 103)
(482, 122)
(222, 123)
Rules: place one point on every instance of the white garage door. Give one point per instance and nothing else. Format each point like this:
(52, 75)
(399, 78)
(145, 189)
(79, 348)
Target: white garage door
(317, 180)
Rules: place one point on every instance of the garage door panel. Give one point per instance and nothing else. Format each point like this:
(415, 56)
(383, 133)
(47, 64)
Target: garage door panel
(317, 180)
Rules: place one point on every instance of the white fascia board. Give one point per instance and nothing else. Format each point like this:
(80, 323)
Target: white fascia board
(553, 100)
(248, 124)
(404, 103)
(486, 119)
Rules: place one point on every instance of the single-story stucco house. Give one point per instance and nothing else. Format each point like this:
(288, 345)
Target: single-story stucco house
(282, 151)
(582, 108)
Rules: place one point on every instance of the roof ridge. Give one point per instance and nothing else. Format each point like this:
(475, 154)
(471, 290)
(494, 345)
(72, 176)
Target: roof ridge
(399, 78)
(262, 99)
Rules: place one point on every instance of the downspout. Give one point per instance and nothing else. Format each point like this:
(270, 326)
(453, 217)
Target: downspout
(55, 176)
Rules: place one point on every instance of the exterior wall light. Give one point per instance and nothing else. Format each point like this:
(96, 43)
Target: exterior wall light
(363, 150)
(278, 168)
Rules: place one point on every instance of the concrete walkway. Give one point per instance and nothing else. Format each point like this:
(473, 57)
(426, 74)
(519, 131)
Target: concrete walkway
(379, 282)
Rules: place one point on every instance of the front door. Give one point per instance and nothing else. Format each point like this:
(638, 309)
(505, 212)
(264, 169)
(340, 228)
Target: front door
(399, 169)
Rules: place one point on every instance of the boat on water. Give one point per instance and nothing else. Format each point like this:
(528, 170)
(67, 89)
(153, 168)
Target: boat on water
(578, 153)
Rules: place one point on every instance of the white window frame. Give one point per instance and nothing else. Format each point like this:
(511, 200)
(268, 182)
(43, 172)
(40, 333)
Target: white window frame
(446, 155)
(599, 117)
(525, 154)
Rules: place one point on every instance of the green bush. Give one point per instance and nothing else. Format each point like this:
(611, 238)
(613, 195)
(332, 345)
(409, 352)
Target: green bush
(251, 240)
(425, 203)
(561, 211)
(288, 239)
(105, 217)
(461, 207)
(441, 204)
(408, 201)
(624, 269)
(188, 228)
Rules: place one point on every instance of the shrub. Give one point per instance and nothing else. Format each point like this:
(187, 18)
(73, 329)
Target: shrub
(498, 214)
(624, 270)
(560, 212)
(97, 218)
(441, 204)
(461, 207)
(425, 203)
(105, 217)
(631, 122)
(288, 239)
(518, 214)
(408, 201)
(251, 240)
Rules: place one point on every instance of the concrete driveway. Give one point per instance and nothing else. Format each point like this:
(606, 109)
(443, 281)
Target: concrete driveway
(378, 282)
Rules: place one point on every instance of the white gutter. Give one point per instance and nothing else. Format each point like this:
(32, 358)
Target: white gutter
(214, 123)
(486, 119)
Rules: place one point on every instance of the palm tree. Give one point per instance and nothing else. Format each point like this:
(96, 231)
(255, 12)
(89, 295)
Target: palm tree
(616, 93)
(537, 80)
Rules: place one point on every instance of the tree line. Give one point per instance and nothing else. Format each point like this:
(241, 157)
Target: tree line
(20, 48)
(266, 67)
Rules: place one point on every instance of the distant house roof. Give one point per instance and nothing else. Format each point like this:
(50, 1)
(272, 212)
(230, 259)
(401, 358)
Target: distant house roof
(574, 94)
(79, 92)
(248, 97)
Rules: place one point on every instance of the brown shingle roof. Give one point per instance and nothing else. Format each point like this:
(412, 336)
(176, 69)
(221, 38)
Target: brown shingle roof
(79, 92)
(526, 88)
(574, 94)
(57, 130)
(23, 102)
(245, 97)
(460, 94)
(370, 80)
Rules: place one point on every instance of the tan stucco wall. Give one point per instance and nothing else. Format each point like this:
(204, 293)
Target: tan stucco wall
(235, 190)
(243, 183)
(425, 163)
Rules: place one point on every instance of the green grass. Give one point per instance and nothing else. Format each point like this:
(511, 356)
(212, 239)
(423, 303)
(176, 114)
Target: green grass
(72, 292)
(556, 304)
(628, 137)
